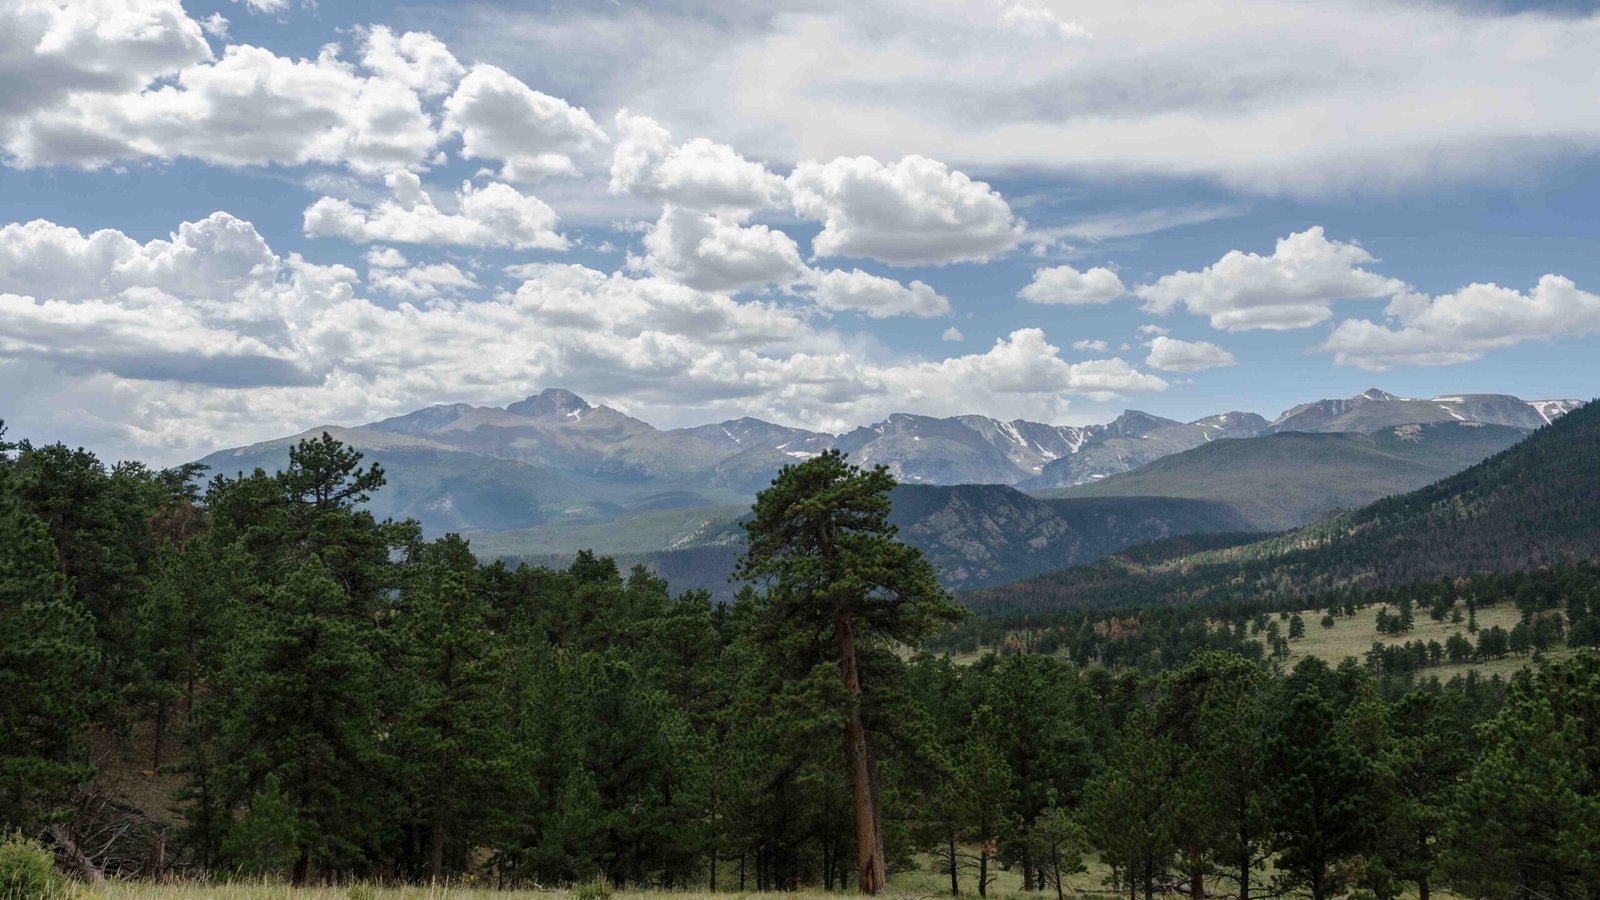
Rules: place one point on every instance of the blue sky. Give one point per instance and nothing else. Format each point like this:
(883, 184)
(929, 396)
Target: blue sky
(695, 211)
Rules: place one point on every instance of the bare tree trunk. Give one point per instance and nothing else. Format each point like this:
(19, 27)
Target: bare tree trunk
(1055, 866)
(302, 868)
(955, 884)
(74, 856)
(436, 849)
(863, 783)
(160, 730)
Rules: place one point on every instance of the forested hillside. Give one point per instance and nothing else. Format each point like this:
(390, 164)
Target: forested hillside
(1535, 504)
(256, 677)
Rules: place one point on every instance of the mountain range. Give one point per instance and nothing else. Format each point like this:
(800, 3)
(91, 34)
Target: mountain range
(551, 474)
(1534, 504)
(566, 457)
(1292, 478)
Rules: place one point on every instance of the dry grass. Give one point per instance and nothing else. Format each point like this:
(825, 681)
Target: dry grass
(265, 891)
(920, 884)
(1007, 888)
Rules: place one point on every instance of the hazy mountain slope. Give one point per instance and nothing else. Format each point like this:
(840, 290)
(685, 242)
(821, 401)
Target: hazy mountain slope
(445, 489)
(1374, 409)
(745, 433)
(1286, 480)
(976, 534)
(633, 532)
(1136, 439)
(1534, 504)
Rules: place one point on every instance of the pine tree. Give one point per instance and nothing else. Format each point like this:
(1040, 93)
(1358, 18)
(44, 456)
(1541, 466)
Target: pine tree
(1323, 814)
(989, 790)
(298, 704)
(450, 711)
(1129, 804)
(266, 840)
(1526, 822)
(1427, 755)
(47, 658)
(1212, 708)
(821, 535)
(1058, 845)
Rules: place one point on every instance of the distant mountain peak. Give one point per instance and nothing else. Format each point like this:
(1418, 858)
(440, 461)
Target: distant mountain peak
(424, 420)
(1135, 422)
(551, 403)
(1374, 394)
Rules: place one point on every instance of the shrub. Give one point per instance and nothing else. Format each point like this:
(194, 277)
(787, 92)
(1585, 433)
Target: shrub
(27, 870)
(596, 889)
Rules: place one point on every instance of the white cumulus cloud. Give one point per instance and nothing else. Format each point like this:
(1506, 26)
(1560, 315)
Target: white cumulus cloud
(1464, 325)
(249, 108)
(1066, 285)
(713, 252)
(1295, 287)
(50, 50)
(532, 133)
(495, 215)
(421, 282)
(1023, 363)
(699, 174)
(913, 212)
(415, 59)
(1173, 355)
(878, 297)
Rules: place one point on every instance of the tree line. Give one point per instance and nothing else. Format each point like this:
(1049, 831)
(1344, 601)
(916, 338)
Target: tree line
(330, 696)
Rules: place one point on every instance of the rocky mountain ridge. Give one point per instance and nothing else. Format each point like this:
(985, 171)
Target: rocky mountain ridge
(554, 457)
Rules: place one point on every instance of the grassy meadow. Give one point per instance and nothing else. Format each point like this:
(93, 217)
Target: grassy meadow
(904, 886)
(907, 886)
(1355, 636)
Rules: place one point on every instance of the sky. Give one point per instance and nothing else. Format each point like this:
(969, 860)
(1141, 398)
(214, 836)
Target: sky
(224, 221)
